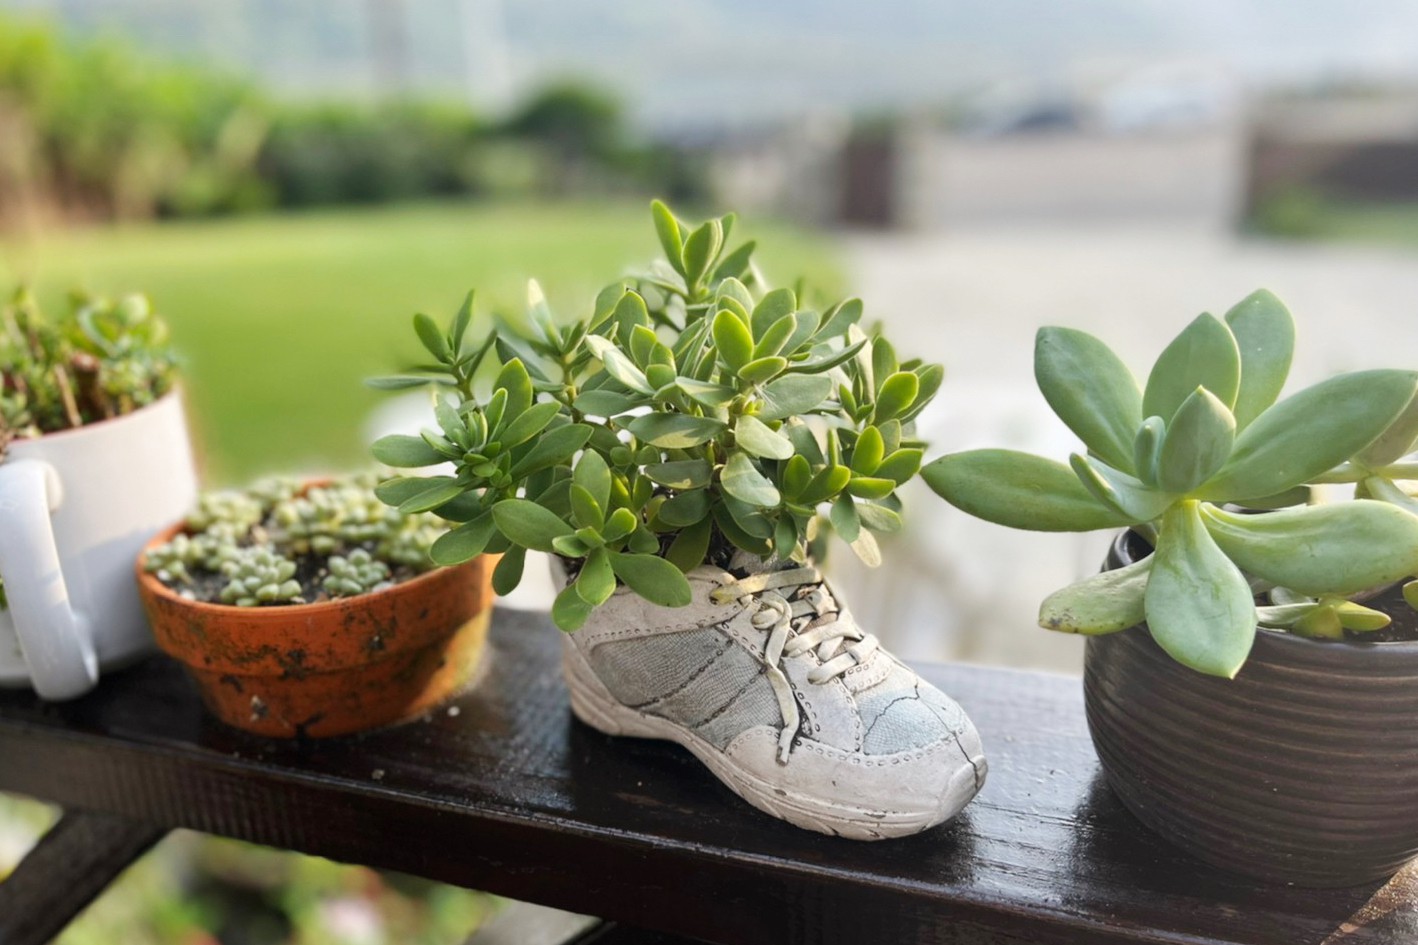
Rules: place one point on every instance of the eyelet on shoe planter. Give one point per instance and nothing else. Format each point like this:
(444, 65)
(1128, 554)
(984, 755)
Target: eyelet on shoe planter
(771, 684)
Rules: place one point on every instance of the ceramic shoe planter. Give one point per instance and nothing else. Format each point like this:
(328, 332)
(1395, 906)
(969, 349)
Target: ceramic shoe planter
(774, 688)
(1303, 769)
(78, 506)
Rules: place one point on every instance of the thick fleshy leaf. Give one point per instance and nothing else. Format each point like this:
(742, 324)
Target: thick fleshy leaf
(1386, 491)
(406, 452)
(742, 480)
(1199, 606)
(706, 392)
(1197, 443)
(900, 465)
(667, 228)
(1396, 441)
(869, 452)
(1092, 392)
(756, 437)
(776, 337)
(618, 365)
(1265, 338)
(870, 487)
(1203, 355)
(437, 491)
(508, 573)
(690, 546)
(607, 403)
(432, 338)
(555, 446)
(675, 431)
(1019, 490)
(464, 542)
(897, 395)
(878, 517)
(585, 510)
(653, 578)
(867, 550)
(1101, 603)
(528, 423)
(681, 474)
(772, 308)
(763, 369)
(514, 379)
(1321, 549)
(593, 475)
(793, 395)
(732, 340)
(596, 582)
(1147, 449)
(528, 524)
(701, 247)
(685, 509)
(1130, 496)
(569, 611)
(845, 520)
(1310, 432)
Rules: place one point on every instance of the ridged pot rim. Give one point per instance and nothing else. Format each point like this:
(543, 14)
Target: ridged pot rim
(1120, 555)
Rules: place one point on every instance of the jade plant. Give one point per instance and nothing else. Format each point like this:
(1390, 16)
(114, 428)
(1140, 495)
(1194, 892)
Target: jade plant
(281, 543)
(1209, 465)
(693, 412)
(102, 359)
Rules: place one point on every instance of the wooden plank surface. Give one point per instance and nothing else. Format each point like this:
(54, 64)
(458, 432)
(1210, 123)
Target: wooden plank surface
(504, 791)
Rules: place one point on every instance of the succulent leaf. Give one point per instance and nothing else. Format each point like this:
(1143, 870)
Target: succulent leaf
(1199, 606)
(1321, 549)
(1091, 390)
(1101, 603)
(1203, 355)
(1265, 337)
(1019, 490)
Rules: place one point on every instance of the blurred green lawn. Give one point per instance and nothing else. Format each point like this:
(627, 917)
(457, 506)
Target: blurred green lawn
(281, 317)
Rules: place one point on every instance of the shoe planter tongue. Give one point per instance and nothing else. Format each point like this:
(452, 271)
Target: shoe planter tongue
(746, 563)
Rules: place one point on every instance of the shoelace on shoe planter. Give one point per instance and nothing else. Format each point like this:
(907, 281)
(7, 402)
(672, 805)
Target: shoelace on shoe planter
(795, 626)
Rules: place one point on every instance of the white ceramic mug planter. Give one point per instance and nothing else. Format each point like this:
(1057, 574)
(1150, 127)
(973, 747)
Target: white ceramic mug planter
(75, 509)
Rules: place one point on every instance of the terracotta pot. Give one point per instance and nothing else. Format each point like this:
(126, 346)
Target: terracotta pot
(1302, 769)
(329, 668)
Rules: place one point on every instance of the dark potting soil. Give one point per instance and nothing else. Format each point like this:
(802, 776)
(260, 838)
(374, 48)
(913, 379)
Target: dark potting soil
(1390, 600)
(310, 571)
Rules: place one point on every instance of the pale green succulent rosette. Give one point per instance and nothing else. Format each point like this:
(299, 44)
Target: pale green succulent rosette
(1177, 457)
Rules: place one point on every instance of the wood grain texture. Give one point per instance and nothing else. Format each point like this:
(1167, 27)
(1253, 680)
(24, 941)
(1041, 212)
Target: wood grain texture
(70, 866)
(506, 792)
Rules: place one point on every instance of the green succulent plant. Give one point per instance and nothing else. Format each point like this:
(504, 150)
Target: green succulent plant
(693, 410)
(1184, 458)
(280, 542)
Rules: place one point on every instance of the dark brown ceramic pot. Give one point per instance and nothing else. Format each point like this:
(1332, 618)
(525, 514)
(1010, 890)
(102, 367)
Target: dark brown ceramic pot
(1303, 769)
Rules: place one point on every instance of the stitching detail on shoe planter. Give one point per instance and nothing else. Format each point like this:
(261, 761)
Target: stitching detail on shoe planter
(881, 761)
(727, 645)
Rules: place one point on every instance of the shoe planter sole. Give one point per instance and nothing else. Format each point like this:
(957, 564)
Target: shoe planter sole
(596, 707)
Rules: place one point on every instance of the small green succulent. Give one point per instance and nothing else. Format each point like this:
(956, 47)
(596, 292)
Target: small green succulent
(259, 575)
(1184, 459)
(360, 573)
(694, 410)
(254, 547)
(103, 359)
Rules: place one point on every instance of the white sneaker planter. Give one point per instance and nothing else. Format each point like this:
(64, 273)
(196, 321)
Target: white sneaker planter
(770, 683)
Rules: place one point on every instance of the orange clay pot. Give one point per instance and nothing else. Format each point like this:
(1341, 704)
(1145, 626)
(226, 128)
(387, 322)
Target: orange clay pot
(334, 667)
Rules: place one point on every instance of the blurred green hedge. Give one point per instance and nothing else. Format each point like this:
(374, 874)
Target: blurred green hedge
(96, 130)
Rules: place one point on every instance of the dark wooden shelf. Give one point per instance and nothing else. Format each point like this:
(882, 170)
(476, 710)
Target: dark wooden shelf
(505, 792)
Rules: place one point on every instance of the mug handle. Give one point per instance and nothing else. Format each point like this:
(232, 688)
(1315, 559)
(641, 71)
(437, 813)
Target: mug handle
(54, 638)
